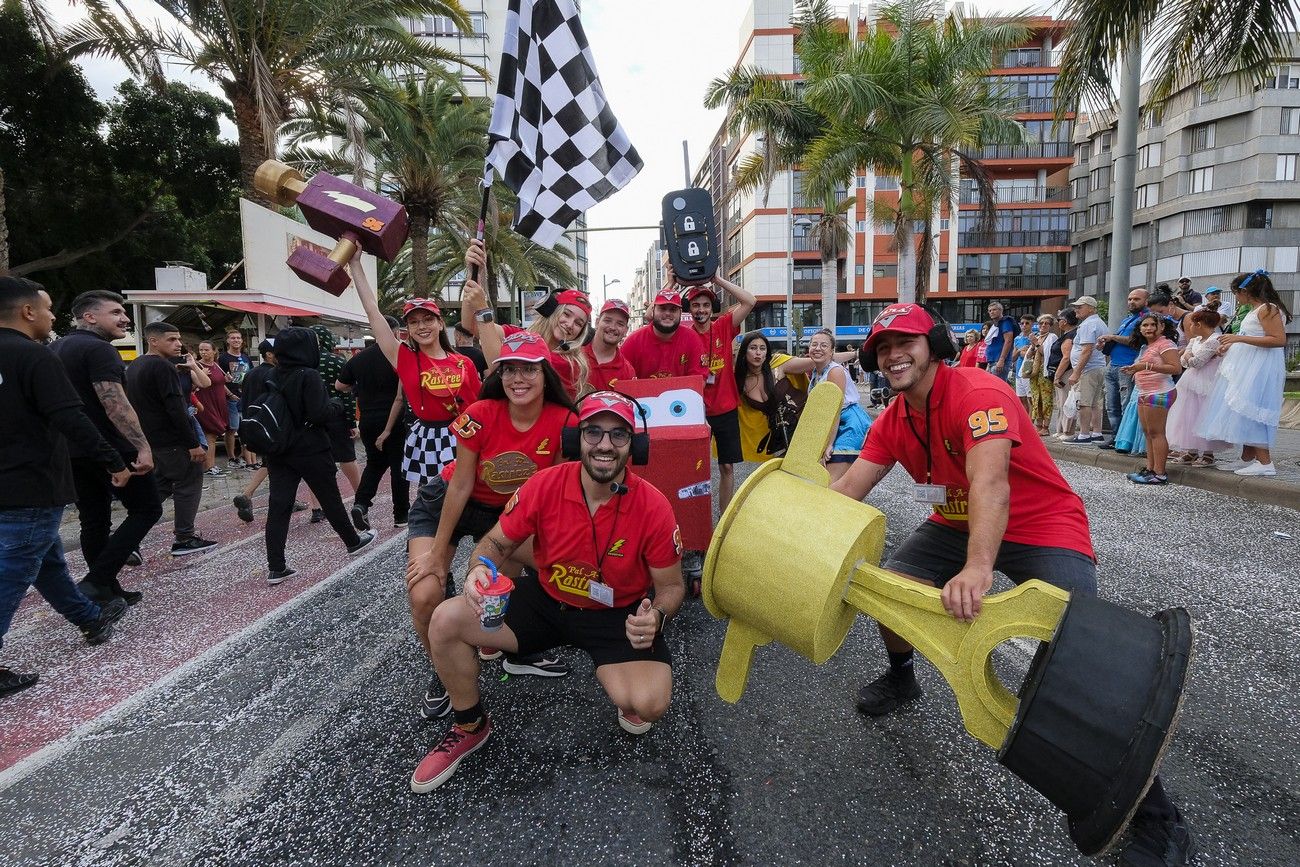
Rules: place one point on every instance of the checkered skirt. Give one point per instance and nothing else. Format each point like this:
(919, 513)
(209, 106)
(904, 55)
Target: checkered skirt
(430, 446)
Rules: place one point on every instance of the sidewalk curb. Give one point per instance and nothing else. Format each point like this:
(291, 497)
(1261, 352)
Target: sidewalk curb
(1260, 490)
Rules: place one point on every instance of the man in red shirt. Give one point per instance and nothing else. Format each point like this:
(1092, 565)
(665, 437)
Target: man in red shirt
(721, 396)
(663, 348)
(605, 544)
(606, 365)
(999, 502)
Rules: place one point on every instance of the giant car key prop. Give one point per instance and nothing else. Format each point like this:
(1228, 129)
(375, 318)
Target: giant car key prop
(342, 210)
(688, 234)
(1101, 698)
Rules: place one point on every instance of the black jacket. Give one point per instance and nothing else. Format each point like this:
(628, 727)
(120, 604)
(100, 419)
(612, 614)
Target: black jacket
(297, 353)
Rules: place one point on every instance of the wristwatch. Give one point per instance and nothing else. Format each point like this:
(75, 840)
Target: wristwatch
(484, 315)
(663, 616)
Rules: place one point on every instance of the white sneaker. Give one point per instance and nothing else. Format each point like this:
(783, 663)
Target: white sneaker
(1233, 466)
(1257, 469)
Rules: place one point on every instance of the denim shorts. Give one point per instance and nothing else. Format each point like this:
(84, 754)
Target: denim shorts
(232, 414)
(475, 520)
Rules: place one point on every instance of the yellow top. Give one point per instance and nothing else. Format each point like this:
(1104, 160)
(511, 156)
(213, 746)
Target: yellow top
(754, 427)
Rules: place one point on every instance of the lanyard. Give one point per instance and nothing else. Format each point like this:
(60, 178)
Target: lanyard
(595, 543)
(925, 443)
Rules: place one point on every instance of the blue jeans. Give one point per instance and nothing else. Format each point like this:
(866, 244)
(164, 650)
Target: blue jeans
(31, 553)
(1118, 387)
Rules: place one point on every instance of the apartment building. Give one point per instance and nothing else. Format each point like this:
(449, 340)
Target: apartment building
(1022, 262)
(649, 277)
(1216, 194)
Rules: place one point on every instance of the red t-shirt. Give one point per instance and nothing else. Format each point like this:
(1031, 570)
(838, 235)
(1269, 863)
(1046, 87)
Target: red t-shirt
(654, 358)
(607, 375)
(566, 368)
(633, 533)
(506, 457)
(720, 392)
(968, 406)
(969, 356)
(438, 389)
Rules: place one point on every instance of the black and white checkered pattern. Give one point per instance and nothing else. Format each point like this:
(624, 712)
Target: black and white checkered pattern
(554, 140)
(429, 448)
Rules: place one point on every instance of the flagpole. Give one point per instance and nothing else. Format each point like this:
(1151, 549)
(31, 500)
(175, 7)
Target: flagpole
(482, 216)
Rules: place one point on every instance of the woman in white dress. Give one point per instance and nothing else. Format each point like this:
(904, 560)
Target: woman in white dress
(1200, 373)
(1247, 401)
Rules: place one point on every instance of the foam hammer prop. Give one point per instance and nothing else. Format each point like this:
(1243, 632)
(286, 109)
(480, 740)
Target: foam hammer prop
(352, 214)
(1100, 701)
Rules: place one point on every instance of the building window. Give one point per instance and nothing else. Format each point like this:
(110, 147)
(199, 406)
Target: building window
(1149, 155)
(1202, 137)
(1147, 196)
(886, 182)
(1082, 153)
(1259, 215)
(861, 181)
(1201, 180)
(1286, 167)
(1207, 93)
(1101, 144)
(1152, 118)
(1290, 121)
(860, 269)
(1098, 213)
(1283, 78)
(1211, 221)
(1099, 178)
(1078, 188)
(478, 22)
(862, 226)
(884, 271)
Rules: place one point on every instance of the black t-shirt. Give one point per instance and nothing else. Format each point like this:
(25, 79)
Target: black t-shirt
(89, 358)
(373, 380)
(154, 386)
(474, 354)
(235, 367)
(38, 406)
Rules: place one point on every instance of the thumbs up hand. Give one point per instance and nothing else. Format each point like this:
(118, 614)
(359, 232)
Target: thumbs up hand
(642, 626)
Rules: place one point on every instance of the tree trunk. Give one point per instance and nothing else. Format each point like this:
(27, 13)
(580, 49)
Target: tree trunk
(419, 236)
(253, 146)
(4, 229)
(830, 281)
(907, 293)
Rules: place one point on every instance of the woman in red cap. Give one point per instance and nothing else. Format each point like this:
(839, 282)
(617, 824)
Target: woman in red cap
(563, 330)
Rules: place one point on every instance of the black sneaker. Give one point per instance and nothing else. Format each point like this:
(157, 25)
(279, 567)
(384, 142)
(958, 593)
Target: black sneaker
(130, 597)
(359, 518)
(101, 630)
(436, 701)
(317, 515)
(192, 545)
(96, 592)
(887, 693)
(135, 558)
(299, 506)
(273, 577)
(1158, 843)
(15, 681)
(537, 665)
(366, 538)
(399, 522)
(244, 509)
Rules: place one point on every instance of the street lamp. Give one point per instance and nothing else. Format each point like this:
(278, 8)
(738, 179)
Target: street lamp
(803, 223)
(604, 287)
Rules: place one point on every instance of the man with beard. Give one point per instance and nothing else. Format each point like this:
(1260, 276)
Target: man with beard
(608, 551)
(663, 348)
(606, 365)
(999, 502)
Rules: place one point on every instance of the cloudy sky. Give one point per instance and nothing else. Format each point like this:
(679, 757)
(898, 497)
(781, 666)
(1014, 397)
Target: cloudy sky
(655, 61)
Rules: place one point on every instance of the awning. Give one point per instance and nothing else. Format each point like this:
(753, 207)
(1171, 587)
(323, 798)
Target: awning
(268, 309)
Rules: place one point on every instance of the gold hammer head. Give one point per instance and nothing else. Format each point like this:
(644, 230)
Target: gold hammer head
(280, 183)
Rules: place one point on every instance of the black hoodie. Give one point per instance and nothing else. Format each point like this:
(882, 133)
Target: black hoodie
(297, 352)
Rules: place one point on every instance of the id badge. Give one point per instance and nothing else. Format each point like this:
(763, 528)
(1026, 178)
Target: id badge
(602, 593)
(934, 495)
(712, 378)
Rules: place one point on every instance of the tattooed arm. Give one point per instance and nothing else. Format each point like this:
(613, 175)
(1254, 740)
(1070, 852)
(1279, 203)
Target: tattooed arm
(120, 412)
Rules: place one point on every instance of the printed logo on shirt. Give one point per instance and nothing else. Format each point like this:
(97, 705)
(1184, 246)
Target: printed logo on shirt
(955, 509)
(682, 360)
(984, 423)
(677, 540)
(544, 447)
(506, 472)
(465, 426)
(616, 550)
(433, 380)
(510, 506)
(574, 578)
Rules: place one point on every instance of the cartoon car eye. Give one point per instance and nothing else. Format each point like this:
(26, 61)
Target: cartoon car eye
(674, 408)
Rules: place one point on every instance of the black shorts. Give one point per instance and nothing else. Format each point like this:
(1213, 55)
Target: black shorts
(540, 622)
(343, 448)
(475, 520)
(937, 553)
(726, 436)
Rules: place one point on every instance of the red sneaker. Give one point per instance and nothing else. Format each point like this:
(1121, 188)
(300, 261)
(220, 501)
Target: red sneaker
(633, 724)
(487, 654)
(439, 765)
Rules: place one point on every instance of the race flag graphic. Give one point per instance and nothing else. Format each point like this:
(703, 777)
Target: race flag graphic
(553, 138)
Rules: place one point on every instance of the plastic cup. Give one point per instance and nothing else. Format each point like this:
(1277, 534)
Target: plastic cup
(496, 598)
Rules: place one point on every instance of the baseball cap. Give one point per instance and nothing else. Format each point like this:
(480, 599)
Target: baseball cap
(1213, 290)
(413, 304)
(696, 291)
(616, 305)
(267, 345)
(901, 319)
(524, 347)
(607, 401)
(574, 297)
(1083, 300)
(669, 295)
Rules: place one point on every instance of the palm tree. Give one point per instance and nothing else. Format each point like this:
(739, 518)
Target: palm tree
(830, 232)
(1189, 40)
(269, 56)
(424, 142)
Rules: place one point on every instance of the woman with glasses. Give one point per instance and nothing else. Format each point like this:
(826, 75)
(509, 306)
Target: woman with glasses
(854, 421)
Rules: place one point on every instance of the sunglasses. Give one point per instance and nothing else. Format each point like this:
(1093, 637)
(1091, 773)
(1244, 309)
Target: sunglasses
(618, 437)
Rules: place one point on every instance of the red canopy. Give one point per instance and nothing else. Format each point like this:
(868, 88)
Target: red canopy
(268, 309)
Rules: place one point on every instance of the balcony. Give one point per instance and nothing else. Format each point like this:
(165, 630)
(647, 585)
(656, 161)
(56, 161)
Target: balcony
(1041, 238)
(733, 259)
(804, 244)
(1017, 195)
(1026, 58)
(1036, 151)
(978, 283)
(1035, 104)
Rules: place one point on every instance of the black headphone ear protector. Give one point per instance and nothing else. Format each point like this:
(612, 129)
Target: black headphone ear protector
(942, 346)
(570, 435)
(548, 304)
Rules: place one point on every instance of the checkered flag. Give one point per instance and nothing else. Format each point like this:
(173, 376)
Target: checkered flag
(553, 138)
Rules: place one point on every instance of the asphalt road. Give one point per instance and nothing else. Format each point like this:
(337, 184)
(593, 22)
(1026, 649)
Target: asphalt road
(293, 742)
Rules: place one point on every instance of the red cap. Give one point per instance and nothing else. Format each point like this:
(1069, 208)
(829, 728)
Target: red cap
(524, 347)
(900, 318)
(607, 401)
(704, 289)
(420, 304)
(616, 305)
(574, 297)
(669, 295)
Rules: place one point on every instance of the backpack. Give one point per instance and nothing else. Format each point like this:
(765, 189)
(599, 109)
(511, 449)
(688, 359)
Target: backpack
(267, 424)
